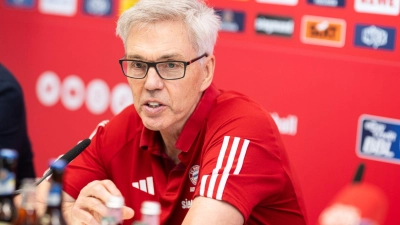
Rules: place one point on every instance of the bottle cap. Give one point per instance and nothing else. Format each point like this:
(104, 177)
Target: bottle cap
(58, 164)
(150, 208)
(8, 153)
(115, 202)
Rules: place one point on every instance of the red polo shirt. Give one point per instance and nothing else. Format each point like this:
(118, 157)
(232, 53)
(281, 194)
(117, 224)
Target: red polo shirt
(231, 151)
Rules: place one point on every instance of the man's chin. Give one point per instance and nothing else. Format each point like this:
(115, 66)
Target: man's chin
(152, 125)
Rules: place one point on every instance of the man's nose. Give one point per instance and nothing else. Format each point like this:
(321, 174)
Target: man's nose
(153, 79)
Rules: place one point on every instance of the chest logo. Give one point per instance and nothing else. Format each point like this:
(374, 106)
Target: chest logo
(194, 174)
(145, 185)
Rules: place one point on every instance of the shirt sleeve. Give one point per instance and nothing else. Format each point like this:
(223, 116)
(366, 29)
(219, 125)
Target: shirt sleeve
(241, 162)
(86, 167)
(94, 163)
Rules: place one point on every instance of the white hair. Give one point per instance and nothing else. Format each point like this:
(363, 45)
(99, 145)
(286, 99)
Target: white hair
(201, 21)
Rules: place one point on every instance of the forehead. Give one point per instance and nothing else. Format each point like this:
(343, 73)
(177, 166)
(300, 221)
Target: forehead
(154, 40)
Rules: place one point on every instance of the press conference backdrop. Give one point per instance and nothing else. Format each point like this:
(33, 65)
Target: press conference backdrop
(327, 70)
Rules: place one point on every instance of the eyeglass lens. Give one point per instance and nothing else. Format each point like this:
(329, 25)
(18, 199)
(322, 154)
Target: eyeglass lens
(167, 70)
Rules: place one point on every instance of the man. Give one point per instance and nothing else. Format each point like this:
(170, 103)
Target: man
(13, 131)
(208, 156)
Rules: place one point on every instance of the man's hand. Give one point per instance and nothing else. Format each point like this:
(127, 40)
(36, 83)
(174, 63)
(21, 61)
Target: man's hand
(90, 206)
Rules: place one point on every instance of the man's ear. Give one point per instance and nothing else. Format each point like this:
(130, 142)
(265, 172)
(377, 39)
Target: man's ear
(209, 66)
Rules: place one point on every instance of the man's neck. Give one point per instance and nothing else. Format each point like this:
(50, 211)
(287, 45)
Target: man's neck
(170, 149)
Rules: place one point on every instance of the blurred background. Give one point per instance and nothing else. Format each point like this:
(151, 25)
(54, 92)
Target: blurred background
(327, 70)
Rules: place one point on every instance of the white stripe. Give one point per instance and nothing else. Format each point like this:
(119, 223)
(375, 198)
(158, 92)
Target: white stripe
(135, 185)
(221, 186)
(150, 185)
(203, 184)
(101, 124)
(211, 185)
(241, 156)
(228, 168)
(142, 185)
(217, 167)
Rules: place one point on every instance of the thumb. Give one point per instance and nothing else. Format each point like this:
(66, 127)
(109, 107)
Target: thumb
(127, 213)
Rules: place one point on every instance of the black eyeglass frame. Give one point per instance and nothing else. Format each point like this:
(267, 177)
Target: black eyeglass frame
(154, 65)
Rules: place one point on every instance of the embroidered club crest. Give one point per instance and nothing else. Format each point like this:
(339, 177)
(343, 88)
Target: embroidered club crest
(194, 174)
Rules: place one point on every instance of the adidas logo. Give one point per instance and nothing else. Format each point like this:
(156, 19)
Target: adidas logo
(145, 185)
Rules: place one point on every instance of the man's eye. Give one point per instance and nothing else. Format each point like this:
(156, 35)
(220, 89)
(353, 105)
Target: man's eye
(171, 65)
(137, 65)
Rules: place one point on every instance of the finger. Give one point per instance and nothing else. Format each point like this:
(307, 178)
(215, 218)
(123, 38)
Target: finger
(111, 187)
(83, 217)
(127, 213)
(102, 190)
(93, 205)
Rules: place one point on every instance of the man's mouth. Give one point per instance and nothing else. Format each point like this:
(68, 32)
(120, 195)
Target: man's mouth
(153, 104)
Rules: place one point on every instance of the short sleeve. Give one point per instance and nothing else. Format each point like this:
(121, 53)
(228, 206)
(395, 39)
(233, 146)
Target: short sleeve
(86, 167)
(241, 162)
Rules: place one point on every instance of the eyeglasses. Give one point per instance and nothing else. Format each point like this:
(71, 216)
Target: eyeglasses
(167, 70)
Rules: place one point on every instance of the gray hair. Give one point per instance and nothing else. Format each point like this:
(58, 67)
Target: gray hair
(200, 20)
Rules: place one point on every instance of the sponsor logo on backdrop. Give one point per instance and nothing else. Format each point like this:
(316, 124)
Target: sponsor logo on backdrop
(375, 37)
(126, 4)
(323, 31)
(21, 3)
(385, 7)
(274, 25)
(98, 7)
(286, 125)
(97, 96)
(279, 2)
(73, 94)
(331, 3)
(58, 7)
(378, 139)
(48, 88)
(231, 21)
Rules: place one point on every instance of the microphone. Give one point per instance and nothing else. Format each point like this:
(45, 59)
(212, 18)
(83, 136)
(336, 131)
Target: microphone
(358, 203)
(67, 157)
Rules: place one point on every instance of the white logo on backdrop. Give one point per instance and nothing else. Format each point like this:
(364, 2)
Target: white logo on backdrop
(98, 7)
(58, 7)
(279, 2)
(72, 92)
(327, 2)
(48, 88)
(286, 125)
(97, 96)
(385, 7)
(374, 36)
(121, 97)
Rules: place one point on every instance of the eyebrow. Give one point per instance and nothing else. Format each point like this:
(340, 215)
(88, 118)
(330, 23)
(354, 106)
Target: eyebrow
(163, 57)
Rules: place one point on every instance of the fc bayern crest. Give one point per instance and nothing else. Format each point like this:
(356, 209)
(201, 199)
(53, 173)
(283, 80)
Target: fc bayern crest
(194, 174)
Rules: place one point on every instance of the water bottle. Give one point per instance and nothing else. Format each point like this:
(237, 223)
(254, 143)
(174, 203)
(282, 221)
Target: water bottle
(151, 212)
(8, 163)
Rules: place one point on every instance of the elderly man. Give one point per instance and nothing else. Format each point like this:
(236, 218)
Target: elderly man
(208, 156)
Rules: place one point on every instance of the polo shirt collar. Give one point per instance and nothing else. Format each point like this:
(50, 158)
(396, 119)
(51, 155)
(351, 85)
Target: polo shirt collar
(151, 140)
(197, 119)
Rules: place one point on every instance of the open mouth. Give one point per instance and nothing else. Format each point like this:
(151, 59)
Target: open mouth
(153, 104)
